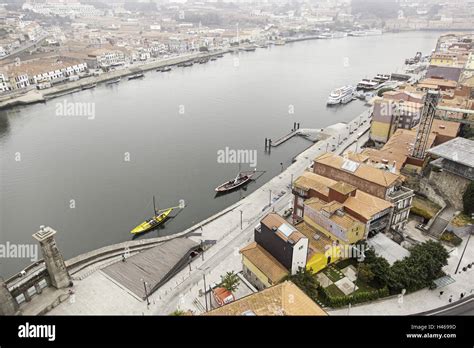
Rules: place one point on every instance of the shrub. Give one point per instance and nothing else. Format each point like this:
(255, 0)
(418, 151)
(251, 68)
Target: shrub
(357, 297)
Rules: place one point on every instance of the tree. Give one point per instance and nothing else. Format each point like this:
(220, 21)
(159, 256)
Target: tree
(178, 313)
(365, 273)
(420, 269)
(230, 281)
(379, 267)
(468, 199)
(306, 280)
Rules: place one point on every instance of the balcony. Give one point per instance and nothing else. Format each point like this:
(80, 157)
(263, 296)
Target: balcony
(400, 193)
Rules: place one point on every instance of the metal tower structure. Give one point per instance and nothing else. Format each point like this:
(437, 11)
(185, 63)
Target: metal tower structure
(426, 121)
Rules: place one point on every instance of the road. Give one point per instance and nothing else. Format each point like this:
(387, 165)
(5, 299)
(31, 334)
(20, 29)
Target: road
(462, 307)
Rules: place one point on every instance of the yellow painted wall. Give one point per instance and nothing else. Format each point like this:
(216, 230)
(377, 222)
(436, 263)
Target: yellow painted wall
(442, 61)
(262, 277)
(356, 232)
(380, 131)
(319, 261)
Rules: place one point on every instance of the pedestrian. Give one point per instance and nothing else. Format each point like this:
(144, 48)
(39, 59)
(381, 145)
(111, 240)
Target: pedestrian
(441, 293)
(123, 257)
(462, 295)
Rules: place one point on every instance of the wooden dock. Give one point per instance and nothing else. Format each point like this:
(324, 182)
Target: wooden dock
(284, 138)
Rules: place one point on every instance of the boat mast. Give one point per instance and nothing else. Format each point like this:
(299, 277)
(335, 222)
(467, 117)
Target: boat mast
(238, 175)
(154, 207)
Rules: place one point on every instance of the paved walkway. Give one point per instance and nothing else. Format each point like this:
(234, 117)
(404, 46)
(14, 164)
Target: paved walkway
(425, 300)
(97, 294)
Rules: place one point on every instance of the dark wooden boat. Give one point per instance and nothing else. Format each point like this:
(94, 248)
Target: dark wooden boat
(111, 82)
(230, 185)
(135, 76)
(89, 86)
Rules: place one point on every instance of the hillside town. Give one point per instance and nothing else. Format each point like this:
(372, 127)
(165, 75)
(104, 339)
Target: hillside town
(48, 44)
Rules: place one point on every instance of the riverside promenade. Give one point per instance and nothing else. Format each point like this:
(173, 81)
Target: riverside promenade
(96, 293)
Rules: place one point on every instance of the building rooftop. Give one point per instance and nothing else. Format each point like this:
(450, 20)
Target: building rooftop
(398, 148)
(281, 227)
(445, 128)
(318, 242)
(430, 82)
(310, 180)
(360, 203)
(366, 205)
(43, 65)
(335, 210)
(361, 170)
(459, 150)
(265, 262)
(343, 188)
(282, 299)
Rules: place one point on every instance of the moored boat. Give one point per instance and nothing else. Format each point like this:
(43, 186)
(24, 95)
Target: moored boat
(381, 78)
(89, 86)
(240, 179)
(152, 223)
(367, 84)
(341, 95)
(111, 82)
(159, 217)
(135, 76)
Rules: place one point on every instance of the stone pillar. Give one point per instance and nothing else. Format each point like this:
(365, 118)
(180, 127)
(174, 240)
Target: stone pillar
(53, 259)
(38, 288)
(8, 305)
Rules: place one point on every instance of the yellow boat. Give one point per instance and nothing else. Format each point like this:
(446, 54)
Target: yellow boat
(153, 222)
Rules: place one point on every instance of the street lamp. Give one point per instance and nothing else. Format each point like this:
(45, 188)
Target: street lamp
(146, 292)
(241, 213)
(467, 242)
(281, 164)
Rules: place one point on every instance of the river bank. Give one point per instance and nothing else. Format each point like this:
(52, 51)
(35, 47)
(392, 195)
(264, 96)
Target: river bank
(39, 96)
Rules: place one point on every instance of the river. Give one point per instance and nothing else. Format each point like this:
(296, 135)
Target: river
(92, 177)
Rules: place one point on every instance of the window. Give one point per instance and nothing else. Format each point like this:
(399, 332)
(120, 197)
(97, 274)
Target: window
(300, 201)
(299, 212)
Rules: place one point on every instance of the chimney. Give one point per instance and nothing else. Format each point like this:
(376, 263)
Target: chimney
(393, 169)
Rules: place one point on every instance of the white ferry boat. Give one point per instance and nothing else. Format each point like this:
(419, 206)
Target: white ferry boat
(372, 32)
(342, 95)
(368, 85)
(381, 78)
(339, 34)
(358, 33)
